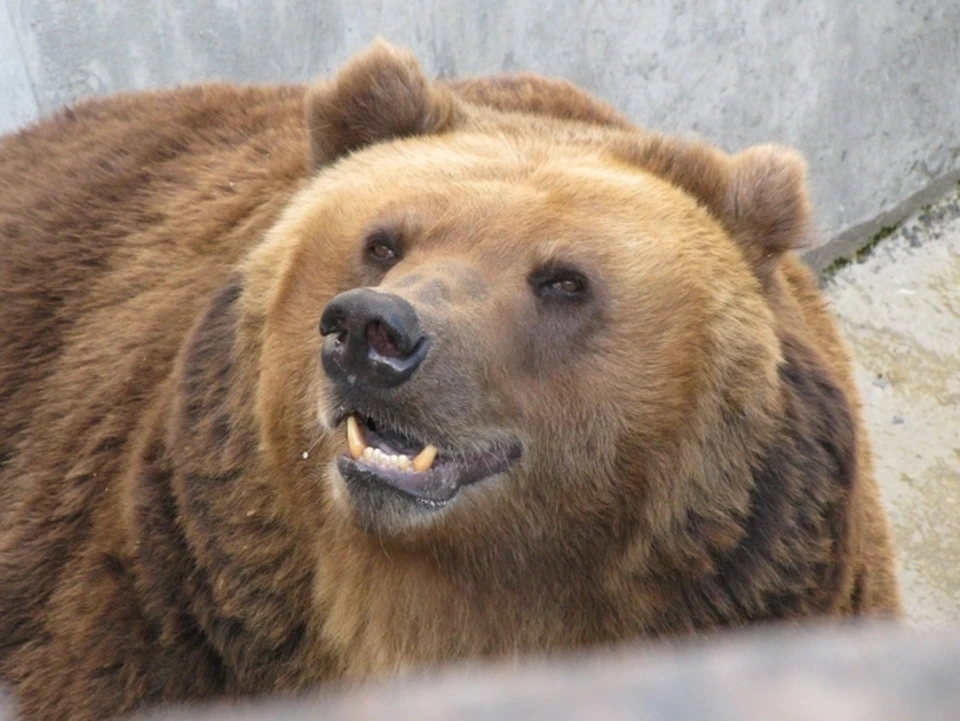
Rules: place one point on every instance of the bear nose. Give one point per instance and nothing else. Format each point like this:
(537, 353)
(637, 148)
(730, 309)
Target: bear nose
(371, 338)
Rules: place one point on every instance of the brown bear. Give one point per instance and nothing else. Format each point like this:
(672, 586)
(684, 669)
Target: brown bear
(303, 385)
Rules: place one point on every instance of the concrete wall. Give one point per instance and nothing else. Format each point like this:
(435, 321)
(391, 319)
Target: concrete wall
(867, 89)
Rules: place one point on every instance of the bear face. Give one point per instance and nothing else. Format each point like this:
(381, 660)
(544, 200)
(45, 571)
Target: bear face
(528, 279)
(479, 243)
(615, 404)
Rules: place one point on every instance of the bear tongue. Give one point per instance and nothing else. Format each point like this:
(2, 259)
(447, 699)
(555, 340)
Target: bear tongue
(357, 444)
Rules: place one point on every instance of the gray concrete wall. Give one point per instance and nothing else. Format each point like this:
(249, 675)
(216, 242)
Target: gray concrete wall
(867, 89)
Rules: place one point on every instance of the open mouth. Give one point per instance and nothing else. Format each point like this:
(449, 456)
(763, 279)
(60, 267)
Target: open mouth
(379, 456)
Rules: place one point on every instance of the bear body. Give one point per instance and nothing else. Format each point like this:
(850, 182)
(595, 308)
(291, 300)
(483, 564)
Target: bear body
(616, 403)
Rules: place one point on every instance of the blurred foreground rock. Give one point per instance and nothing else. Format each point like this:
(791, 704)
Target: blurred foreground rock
(830, 674)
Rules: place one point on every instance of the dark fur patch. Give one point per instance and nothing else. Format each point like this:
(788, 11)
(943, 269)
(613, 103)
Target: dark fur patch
(212, 458)
(792, 558)
(204, 384)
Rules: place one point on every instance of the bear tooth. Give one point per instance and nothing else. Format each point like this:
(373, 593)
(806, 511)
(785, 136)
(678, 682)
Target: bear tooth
(368, 453)
(355, 440)
(425, 459)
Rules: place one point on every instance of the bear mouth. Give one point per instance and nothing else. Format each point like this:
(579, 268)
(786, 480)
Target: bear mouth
(381, 457)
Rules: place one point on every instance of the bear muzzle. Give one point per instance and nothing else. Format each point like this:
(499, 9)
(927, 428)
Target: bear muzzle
(373, 346)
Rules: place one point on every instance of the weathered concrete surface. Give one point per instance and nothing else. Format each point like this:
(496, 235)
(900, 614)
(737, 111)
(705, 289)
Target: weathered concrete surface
(17, 103)
(868, 91)
(900, 311)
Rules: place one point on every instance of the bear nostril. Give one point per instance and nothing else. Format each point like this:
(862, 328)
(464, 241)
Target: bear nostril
(332, 322)
(381, 340)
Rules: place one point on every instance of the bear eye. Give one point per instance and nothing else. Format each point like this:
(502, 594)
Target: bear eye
(567, 286)
(383, 248)
(559, 284)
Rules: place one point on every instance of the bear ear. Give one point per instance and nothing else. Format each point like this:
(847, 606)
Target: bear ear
(765, 204)
(379, 95)
(759, 195)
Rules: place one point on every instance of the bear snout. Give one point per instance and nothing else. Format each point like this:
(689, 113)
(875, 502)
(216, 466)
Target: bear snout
(372, 339)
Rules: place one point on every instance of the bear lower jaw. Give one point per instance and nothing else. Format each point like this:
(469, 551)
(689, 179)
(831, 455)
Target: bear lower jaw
(384, 460)
(432, 488)
(438, 481)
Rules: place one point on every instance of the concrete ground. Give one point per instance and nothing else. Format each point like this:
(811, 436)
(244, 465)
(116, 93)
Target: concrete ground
(899, 307)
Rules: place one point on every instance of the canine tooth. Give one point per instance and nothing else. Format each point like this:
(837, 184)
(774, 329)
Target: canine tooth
(425, 459)
(355, 440)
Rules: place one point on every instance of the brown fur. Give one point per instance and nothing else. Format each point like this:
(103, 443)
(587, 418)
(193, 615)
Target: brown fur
(171, 526)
